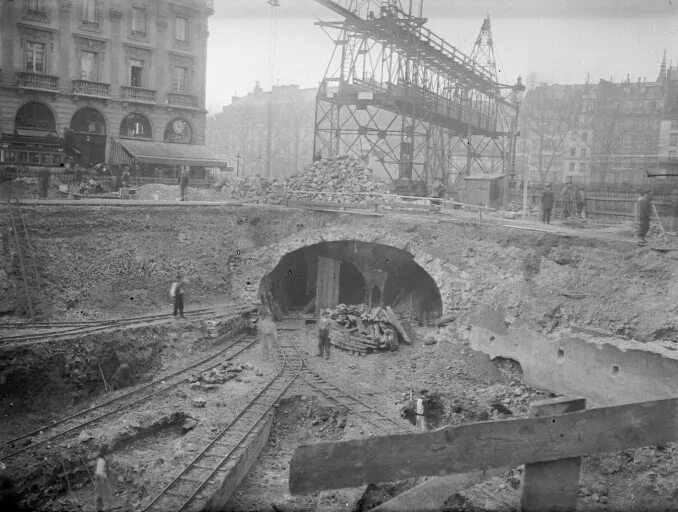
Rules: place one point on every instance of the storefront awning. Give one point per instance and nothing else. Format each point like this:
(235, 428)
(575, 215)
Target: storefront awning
(166, 153)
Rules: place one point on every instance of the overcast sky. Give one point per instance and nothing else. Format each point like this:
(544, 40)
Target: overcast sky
(559, 40)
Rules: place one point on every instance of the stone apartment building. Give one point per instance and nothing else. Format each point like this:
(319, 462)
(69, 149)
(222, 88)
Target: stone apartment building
(266, 133)
(608, 133)
(92, 81)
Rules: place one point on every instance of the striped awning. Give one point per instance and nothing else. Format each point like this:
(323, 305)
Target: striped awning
(166, 153)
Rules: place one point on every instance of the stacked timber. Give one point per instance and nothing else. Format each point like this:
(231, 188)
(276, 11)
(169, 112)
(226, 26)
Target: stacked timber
(361, 329)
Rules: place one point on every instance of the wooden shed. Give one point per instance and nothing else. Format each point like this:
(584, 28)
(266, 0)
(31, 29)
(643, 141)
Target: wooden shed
(485, 189)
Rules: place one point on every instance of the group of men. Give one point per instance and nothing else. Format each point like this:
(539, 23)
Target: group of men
(573, 200)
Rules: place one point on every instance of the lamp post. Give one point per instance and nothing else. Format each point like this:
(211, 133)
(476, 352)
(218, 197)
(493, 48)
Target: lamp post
(518, 91)
(237, 164)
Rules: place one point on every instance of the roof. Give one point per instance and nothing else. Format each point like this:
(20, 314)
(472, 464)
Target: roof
(485, 177)
(171, 154)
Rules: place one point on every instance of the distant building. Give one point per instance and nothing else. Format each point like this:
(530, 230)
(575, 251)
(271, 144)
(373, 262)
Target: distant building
(608, 133)
(266, 133)
(92, 81)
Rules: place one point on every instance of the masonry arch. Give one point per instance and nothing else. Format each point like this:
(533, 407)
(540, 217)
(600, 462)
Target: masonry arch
(373, 273)
(35, 118)
(179, 131)
(87, 135)
(137, 126)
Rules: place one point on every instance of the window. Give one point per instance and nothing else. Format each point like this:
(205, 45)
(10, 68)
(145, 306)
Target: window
(582, 167)
(585, 136)
(35, 57)
(583, 152)
(139, 21)
(89, 66)
(571, 167)
(136, 73)
(89, 12)
(181, 29)
(136, 125)
(673, 139)
(36, 8)
(573, 151)
(179, 79)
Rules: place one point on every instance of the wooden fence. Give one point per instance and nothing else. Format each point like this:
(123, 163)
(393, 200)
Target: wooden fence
(607, 206)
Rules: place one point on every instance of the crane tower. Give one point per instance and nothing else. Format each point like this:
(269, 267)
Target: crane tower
(408, 102)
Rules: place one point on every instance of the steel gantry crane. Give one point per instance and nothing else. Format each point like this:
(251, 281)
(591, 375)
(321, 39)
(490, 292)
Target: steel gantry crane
(402, 98)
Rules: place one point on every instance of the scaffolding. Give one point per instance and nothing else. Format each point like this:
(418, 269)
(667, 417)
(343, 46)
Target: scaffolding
(403, 99)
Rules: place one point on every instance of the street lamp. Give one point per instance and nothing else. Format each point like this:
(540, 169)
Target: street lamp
(237, 164)
(518, 91)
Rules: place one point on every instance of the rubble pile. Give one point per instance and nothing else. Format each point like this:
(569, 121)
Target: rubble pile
(333, 177)
(248, 187)
(222, 374)
(366, 329)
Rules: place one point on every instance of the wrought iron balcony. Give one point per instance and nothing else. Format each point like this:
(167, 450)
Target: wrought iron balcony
(179, 99)
(94, 89)
(37, 81)
(36, 14)
(138, 94)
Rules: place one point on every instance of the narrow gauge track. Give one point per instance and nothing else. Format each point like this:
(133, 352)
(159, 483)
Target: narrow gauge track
(55, 335)
(354, 404)
(184, 492)
(117, 404)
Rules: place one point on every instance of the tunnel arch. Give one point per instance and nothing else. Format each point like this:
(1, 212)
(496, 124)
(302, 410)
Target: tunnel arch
(370, 272)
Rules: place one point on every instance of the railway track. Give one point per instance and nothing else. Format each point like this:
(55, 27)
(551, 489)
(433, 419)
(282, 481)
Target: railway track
(80, 330)
(185, 491)
(125, 401)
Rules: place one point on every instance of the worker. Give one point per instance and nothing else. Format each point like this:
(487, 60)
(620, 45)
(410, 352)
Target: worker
(103, 481)
(644, 212)
(177, 293)
(125, 178)
(183, 184)
(566, 198)
(268, 333)
(122, 377)
(547, 202)
(580, 200)
(44, 182)
(324, 324)
(77, 174)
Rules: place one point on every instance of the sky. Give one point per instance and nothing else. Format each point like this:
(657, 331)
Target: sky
(552, 41)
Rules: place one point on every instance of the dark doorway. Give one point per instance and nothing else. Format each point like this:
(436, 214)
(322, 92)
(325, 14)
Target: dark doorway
(87, 135)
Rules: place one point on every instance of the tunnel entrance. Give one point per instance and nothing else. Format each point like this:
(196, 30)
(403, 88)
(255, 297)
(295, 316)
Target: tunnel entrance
(350, 272)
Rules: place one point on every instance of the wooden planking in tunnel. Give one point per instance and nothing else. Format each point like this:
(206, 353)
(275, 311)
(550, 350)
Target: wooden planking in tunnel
(327, 283)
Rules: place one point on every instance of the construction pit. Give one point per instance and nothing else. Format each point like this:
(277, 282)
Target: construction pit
(497, 318)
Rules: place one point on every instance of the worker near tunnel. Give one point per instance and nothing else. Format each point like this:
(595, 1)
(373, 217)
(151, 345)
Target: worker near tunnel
(324, 324)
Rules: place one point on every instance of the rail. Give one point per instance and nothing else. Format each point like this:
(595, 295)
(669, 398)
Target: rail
(125, 401)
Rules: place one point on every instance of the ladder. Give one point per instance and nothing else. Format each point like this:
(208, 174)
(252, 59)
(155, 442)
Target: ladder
(31, 283)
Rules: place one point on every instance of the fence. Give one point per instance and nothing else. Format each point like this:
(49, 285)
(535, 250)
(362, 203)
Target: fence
(606, 206)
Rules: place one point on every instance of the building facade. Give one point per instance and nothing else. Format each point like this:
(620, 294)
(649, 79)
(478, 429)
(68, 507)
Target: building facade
(79, 78)
(266, 133)
(610, 133)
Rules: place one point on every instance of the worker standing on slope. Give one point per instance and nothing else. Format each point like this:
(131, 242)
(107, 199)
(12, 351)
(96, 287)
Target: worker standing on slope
(177, 293)
(547, 202)
(105, 499)
(644, 212)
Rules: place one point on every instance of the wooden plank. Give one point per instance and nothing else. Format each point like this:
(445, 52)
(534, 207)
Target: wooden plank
(308, 307)
(484, 445)
(396, 323)
(552, 486)
(432, 495)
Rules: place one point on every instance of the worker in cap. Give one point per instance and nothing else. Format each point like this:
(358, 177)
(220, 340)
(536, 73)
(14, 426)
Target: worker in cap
(324, 324)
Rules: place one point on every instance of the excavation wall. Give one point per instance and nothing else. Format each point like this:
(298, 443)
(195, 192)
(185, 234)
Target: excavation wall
(121, 260)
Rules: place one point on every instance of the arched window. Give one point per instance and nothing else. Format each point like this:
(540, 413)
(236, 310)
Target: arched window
(179, 130)
(34, 116)
(137, 126)
(88, 120)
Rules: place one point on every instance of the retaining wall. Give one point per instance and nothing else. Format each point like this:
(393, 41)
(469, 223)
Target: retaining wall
(605, 372)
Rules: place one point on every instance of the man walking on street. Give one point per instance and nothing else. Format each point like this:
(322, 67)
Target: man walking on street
(324, 334)
(644, 213)
(183, 184)
(268, 334)
(177, 292)
(547, 201)
(581, 201)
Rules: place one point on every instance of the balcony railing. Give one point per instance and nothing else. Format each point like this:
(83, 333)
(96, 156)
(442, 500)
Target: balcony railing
(179, 99)
(88, 88)
(138, 94)
(27, 80)
(36, 14)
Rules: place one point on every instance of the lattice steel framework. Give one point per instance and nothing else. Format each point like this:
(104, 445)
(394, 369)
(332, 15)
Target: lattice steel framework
(397, 94)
